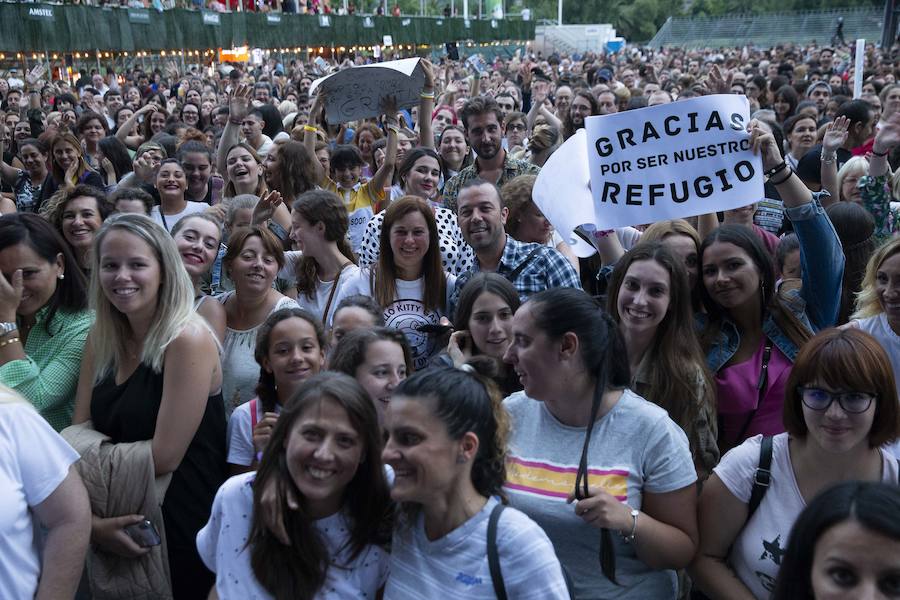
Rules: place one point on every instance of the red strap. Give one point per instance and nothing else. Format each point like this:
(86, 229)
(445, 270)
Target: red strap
(253, 418)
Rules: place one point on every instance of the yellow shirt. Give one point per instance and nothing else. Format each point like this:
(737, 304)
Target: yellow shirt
(357, 197)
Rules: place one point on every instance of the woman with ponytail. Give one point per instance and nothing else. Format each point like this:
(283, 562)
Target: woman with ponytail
(634, 481)
(323, 460)
(325, 260)
(447, 446)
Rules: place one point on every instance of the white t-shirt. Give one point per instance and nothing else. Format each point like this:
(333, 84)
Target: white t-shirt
(34, 461)
(240, 433)
(168, 221)
(456, 566)
(222, 544)
(407, 312)
(759, 547)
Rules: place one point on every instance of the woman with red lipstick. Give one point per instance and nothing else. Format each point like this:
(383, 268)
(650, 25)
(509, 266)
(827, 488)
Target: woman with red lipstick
(290, 348)
(840, 408)
(197, 238)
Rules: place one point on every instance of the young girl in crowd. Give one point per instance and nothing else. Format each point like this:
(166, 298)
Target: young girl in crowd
(319, 227)
(324, 453)
(151, 372)
(198, 238)
(290, 348)
(650, 300)
(483, 321)
(750, 334)
(601, 470)
(408, 280)
(840, 407)
(846, 544)
(447, 435)
(379, 358)
(352, 313)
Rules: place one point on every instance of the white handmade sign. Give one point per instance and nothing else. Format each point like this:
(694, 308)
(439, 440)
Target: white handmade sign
(663, 162)
(358, 93)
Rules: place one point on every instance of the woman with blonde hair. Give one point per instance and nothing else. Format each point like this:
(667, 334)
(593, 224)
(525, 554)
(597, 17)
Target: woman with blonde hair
(878, 302)
(543, 141)
(151, 372)
(68, 167)
(683, 241)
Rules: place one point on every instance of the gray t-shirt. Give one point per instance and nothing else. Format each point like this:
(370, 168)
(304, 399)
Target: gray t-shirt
(456, 566)
(634, 448)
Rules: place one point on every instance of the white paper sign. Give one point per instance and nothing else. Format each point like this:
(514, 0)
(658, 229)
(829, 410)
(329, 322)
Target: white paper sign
(358, 93)
(663, 162)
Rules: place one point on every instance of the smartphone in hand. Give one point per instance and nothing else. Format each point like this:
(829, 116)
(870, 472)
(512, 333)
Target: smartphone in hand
(144, 534)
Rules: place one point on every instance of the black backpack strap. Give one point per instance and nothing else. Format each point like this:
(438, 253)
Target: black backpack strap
(493, 555)
(518, 270)
(763, 476)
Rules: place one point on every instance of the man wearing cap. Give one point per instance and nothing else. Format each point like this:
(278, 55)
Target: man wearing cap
(820, 93)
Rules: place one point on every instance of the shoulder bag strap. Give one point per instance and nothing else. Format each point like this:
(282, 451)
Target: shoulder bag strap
(493, 555)
(518, 270)
(253, 418)
(334, 287)
(762, 479)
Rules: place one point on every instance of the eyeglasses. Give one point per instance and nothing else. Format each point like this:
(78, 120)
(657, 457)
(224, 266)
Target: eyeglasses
(516, 127)
(820, 400)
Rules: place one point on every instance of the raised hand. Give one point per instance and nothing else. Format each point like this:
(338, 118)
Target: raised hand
(835, 134)
(239, 103)
(717, 83)
(265, 207)
(428, 70)
(888, 136)
(34, 76)
(762, 142)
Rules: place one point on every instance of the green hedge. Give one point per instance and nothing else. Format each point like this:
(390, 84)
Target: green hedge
(29, 27)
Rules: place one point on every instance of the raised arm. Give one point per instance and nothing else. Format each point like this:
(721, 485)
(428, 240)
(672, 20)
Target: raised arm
(382, 176)
(835, 136)
(875, 188)
(7, 172)
(821, 255)
(238, 107)
(426, 106)
(129, 124)
(310, 136)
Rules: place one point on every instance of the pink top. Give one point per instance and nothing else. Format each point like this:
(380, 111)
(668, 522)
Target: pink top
(736, 388)
(769, 240)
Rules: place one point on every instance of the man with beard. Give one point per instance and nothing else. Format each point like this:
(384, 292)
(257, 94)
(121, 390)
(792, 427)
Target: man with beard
(531, 268)
(583, 106)
(482, 120)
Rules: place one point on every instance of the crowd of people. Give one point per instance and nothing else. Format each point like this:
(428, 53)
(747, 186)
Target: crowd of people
(249, 352)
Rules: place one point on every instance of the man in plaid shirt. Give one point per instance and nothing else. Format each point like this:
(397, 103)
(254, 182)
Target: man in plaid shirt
(530, 267)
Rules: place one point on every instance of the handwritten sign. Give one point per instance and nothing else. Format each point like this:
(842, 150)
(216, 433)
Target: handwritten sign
(663, 162)
(359, 92)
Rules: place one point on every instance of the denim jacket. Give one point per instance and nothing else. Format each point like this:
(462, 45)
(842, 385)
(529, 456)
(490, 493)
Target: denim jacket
(816, 304)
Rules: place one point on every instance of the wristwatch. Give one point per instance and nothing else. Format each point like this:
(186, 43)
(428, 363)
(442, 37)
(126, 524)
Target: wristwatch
(7, 328)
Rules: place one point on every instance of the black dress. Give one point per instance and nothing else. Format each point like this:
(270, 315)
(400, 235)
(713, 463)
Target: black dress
(127, 413)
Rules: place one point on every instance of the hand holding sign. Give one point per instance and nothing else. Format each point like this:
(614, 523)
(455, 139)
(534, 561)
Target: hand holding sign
(357, 93)
(664, 162)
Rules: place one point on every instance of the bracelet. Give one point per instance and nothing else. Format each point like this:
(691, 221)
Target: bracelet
(9, 341)
(427, 95)
(788, 176)
(603, 233)
(776, 168)
(827, 158)
(394, 128)
(310, 129)
(879, 154)
(630, 537)
(235, 123)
